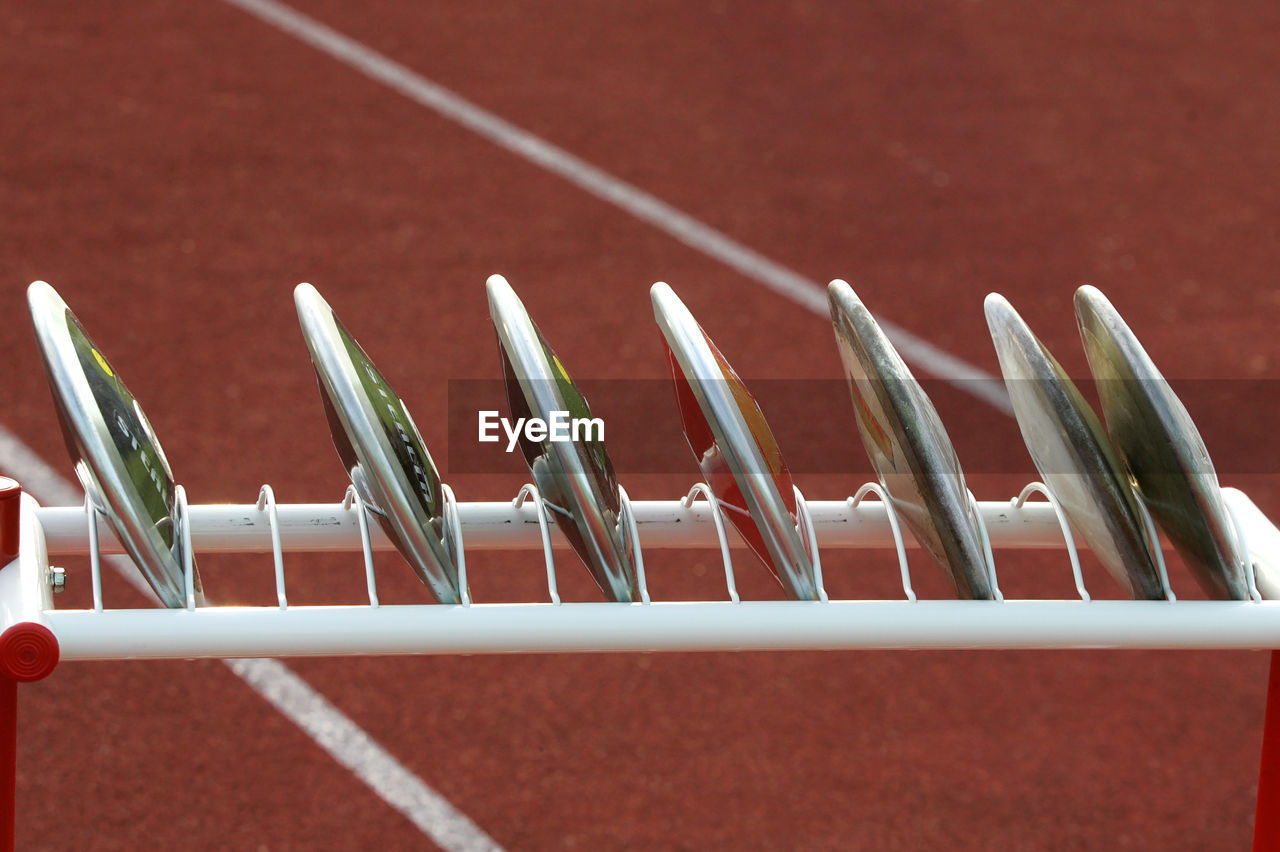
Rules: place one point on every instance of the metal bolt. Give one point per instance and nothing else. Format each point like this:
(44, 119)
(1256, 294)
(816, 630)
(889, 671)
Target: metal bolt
(57, 578)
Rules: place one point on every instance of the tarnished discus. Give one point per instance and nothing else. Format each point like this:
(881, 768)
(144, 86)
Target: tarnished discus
(116, 454)
(908, 446)
(1073, 453)
(379, 445)
(1162, 448)
(734, 446)
(575, 477)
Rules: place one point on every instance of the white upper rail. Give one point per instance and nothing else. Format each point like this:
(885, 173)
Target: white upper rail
(504, 526)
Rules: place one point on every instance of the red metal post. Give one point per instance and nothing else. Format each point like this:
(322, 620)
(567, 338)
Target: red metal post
(10, 511)
(28, 651)
(10, 519)
(8, 760)
(1266, 821)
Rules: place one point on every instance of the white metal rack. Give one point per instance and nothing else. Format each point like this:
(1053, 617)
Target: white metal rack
(34, 635)
(369, 627)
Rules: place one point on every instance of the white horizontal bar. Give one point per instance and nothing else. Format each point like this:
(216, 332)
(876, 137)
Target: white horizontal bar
(715, 626)
(501, 526)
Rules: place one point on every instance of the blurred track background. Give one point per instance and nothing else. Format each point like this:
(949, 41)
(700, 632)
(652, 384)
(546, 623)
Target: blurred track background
(174, 169)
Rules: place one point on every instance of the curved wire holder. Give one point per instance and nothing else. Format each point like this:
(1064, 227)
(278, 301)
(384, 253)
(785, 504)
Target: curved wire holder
(1242, 544)
(1153, 541)
(184, 539)
(986, 546)
(267, 503)
(1067, 538)
(529, 491)
(352, 500)
(453, 541)
(804, 526)
(687, 502)
(628, 517)
(92, 512)
(879, 493)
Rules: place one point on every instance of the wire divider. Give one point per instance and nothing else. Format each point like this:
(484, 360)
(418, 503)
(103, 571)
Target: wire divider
(1242, 545)
(1067, 538)
(453, 542)
(267, 503)
(805, 527)
(628, 519)
(184, 544)
(702, 488)
(529, 491)
(352, 501)
(874, 489)
(1153, 544)
(91, 512)
(986, 547)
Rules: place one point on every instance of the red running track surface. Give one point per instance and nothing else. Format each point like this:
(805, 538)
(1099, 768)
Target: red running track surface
(175, 169)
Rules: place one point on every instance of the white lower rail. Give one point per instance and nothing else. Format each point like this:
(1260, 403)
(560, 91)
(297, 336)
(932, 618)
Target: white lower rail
(683, 626)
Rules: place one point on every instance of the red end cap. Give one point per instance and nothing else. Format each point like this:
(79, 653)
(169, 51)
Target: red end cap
(10, 513)
(28, 651)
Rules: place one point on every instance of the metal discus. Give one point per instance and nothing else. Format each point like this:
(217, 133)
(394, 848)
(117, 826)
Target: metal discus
(734, 447)
(1073, 453)
(380, 446)
(575, 477)
(908, 446)
(117, 457)
(1162, 448)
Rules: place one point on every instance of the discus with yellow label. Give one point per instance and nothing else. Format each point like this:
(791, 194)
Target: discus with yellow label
(380, 446)
(117, 457)
(574, 475)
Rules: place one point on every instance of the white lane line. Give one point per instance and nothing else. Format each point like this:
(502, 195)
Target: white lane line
(356, 750)
(344, 740)
(615, 191)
